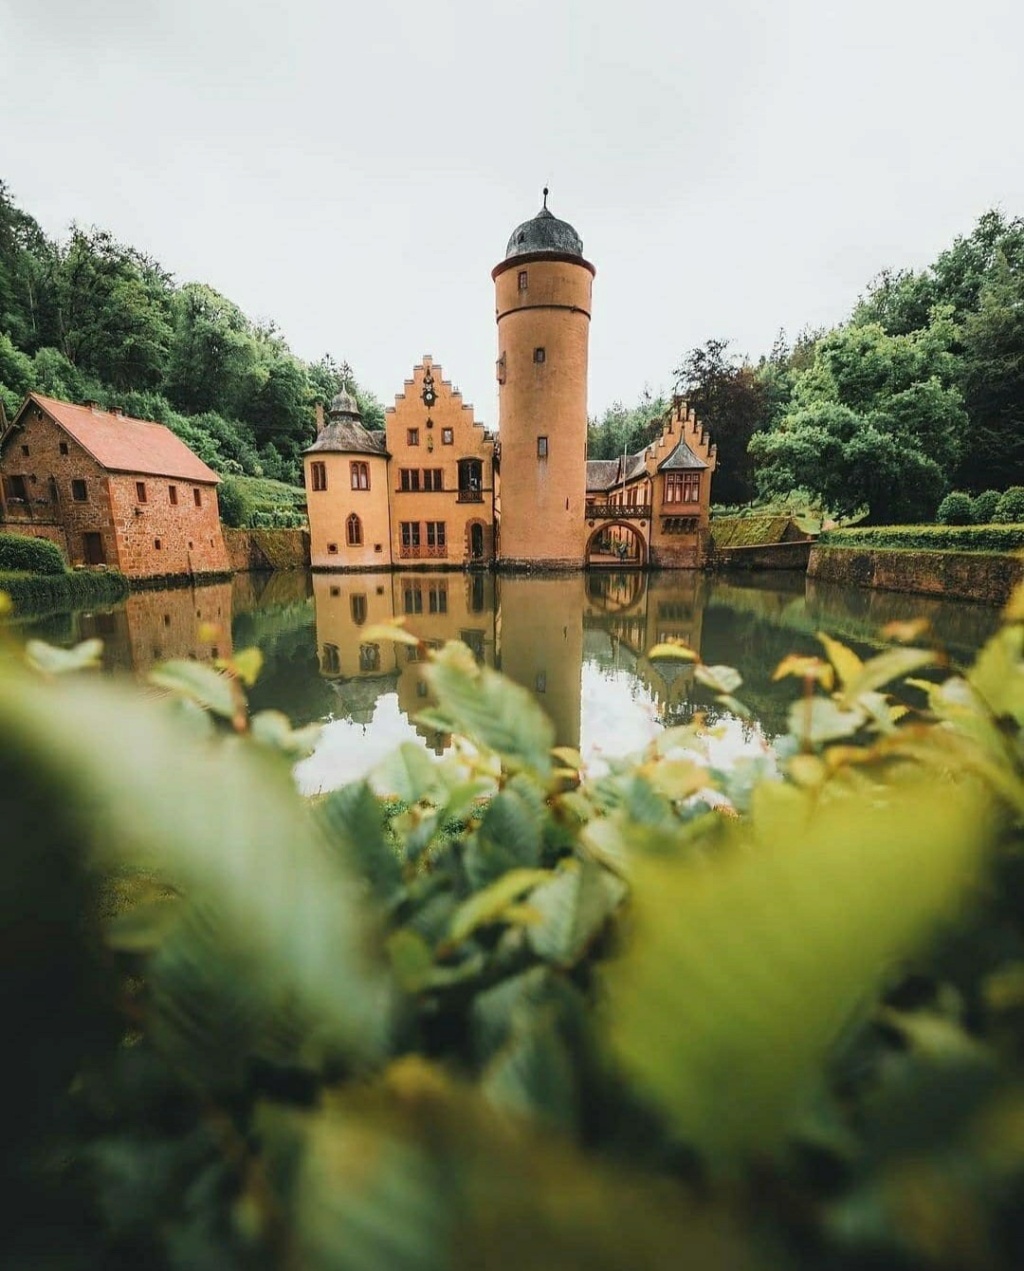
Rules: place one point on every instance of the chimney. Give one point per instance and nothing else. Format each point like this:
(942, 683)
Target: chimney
(319, 417)
(91, 403)
(118, 411)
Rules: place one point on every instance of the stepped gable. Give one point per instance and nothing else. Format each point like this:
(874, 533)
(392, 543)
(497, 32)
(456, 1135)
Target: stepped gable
(122, 444)
(684, 442)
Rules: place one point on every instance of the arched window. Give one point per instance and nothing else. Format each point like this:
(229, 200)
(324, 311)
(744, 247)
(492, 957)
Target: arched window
(354, 531)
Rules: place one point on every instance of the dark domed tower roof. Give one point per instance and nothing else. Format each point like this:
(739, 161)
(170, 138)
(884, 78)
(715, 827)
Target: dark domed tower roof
(545, 233)
(344, 407)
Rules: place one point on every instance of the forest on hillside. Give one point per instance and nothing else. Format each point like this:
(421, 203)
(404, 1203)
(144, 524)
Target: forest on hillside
(919, 392)
(87, 317)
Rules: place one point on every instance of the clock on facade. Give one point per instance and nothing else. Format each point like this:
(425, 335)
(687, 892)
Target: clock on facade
(429, 396)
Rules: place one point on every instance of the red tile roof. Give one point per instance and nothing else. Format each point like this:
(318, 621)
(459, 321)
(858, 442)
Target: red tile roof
(123, 444)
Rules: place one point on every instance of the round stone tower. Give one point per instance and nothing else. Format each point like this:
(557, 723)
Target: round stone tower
(542, 295)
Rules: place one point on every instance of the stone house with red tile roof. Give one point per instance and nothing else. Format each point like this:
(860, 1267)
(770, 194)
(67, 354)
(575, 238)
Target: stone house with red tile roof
(110, 490)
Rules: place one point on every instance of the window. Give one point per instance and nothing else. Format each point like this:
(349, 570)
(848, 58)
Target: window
(542, 447)
(409, 478)
(157, 544)
(447, 436)
(432, 479)
(682, 487)
(331, 661)
(539, 355)
(523, 279)
(436, 539)
(359, 610)
(354, 531)
(318, 475)
(437, 597)
(369, 657)
(140, 491)
(412, 598)
(410, 537)
(197, 497)
(360, 474)
(335, 591)
(172, 494)
(24, 450)
(412, 436)
(63, 447)
(332, 549)
(79, 491)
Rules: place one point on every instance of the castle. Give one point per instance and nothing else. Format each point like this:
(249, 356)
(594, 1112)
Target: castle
(436, 489)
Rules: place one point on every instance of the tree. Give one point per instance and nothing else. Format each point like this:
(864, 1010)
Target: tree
(626, 429)
(214, 360)
(875, 422)
(731, 401)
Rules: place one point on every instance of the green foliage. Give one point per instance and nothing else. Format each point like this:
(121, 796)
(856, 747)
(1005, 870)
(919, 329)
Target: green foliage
(733, 401)
(25, 554)
(568, 996)
(625, 430)
(1010, 508)
(39, 594)
(89, 317)
(985, 507)
(956, 508)
(259, 501)
(749, 531)
(930, 538)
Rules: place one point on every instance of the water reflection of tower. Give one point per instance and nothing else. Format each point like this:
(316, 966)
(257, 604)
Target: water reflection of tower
(540, 645)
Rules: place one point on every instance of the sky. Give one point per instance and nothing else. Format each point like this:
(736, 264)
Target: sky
(353, 173)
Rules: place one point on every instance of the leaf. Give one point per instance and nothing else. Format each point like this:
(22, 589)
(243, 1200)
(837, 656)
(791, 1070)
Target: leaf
(534, 1076)
(676, 778)
(488, 905)
(408, 772)
(491, 710)
(846, 663)
(893, 664)
(54, 661)
(904, 632)
(1014, 611)
(722, 679)
(998, 673)
(198, 683)
(246, 664)
(814, 720)
(274, 729)
(354, 820)
(573, 907)
(397, 634)
(746, 966)
(673, 649)
(805, 668)
(412, 959)
(266, 910)
(509, 837)
(143, 928)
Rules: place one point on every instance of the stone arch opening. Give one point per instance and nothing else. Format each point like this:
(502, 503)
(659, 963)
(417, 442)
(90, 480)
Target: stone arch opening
(616, 545)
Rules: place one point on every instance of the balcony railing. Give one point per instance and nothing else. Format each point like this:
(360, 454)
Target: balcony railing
(614, 512)
(470, 496)
(423, 551)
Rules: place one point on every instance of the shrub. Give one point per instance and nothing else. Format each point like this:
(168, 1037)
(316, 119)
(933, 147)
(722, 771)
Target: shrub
(236, 505)
(1010, 508)
(21, 553)
(985, 507)
(930, 538)
(39, 594)
(956, 509)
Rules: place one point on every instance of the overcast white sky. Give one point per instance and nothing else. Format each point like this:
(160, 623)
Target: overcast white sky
(354, 171)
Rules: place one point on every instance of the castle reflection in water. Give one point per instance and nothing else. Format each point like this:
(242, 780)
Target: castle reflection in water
(577, 642)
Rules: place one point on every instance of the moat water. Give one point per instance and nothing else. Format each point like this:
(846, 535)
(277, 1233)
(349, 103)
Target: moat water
(578, 643)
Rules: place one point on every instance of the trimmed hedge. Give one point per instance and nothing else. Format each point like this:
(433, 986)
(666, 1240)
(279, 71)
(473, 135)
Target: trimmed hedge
(956, 508)
(930, 538)
(21, 553)
(39, 594)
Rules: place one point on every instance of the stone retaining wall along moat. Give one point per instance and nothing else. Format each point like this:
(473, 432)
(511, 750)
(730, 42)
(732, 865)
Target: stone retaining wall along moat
(987, 577)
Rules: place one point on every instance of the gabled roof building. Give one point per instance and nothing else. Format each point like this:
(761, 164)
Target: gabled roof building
(110, 490)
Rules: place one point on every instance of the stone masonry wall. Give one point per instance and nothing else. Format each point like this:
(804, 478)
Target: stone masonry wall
(158, 537)
(985, 577)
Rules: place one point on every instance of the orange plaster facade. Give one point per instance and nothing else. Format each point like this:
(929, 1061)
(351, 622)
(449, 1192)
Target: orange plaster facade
(441, 475)
(336, 541)
(543, 314)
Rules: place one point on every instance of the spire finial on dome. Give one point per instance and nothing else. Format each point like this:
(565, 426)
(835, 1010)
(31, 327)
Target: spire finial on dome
(545, 198)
